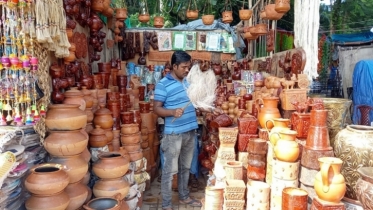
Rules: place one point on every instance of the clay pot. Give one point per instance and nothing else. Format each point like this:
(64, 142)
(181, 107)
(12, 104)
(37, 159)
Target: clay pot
(271, 13)
(86, 178)
(97, 137)
(279, 125)
(294, 199)
(158, 22)
(58, 201)
(257, 192)
(46, 179)
(287, 151)
(97, 5)
(131, 138)
(257, 146)
(110, 187)
(109, 135)
(268, 111)
(137, 118)
(88, 98)
(364, 187)
(75, 96)
(329, 182)
(90, 115)
(128, 129)
(65, 117)
(122, 80)
(260, 29)
(107, 203)
(104, 67)
(208, 19)
(78, 193)
(75, 166)
(221, 121)
(247, 125)
(127, 117)
(318, 135)
(144, 18)
(86, 155)
(111, 165)
(135, 155)
(144, 107)
(192, 14)
(70, 58)
(132, 147)
(69, 33)
(233, 170)
(121, 14)
(282, 6)
(62, 143)
(97, 81)
(103, 118)
(227, 16)
(245, 14)
(147, 120)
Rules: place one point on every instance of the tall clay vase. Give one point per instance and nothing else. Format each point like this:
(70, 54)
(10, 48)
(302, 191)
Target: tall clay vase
(329, 182)
(75, 166)
(63, 143)
(279, 125)
(65, 117)
(318, 135)
(364, 187)
(78, 193)
(47, 179)
(111, 165)
(268, 111)
(57, 201)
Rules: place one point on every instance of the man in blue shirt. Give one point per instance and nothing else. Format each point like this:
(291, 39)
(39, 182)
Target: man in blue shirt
(177, 144)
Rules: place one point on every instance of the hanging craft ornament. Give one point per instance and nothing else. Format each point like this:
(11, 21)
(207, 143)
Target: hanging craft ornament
(192, 13)
(227, 15)
(245, 14)
(208, 19)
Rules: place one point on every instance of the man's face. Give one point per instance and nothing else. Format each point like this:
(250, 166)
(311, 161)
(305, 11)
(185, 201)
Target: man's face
(181, 70)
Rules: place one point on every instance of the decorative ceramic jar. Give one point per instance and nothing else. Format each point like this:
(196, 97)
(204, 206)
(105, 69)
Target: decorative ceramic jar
(353, 145)
(364, 187)
(111, 165)
(65, 117)
(233, 170)
(329, 182)
(57, 201)
(78, 193)
(110, 187)
(269, 111)
(75, 96)
(47, 179)
(103, 118)
(279, 125)
(75, 166)
(62, 143)
(287, 151)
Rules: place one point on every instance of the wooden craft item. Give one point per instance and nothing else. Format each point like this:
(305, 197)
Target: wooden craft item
(318, 204)
(138, 42)
(84, 46)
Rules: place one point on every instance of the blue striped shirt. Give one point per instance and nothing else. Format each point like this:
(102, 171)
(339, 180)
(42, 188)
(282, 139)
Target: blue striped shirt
(172, 94)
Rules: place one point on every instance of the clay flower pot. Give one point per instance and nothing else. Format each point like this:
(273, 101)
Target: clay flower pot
(121, 14)
(208, 19)
(57, 201)
(62, 143)
(46, 179)
(233, 170)
(144, 18)
(111, 165)
(294, 198)
(245, 14)
(259, 29)
(227, 16)
(158, 21)
(65, 117)
(77, 193)
(192, 14)
(97, 137)
(75, 166)
(110, 187)
(271, 13)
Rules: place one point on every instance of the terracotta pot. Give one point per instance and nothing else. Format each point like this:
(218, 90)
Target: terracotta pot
(65, 142)
(90, 115)
(221, 121)
(86, 155)
(86, 179)
(75, 166)
(158, 22)
(111, 165)
(97, 5)
(122, 80)
(121, 14)
(364, 187)
(132, 147)
(318, 135)
(131, 138)
(75, 96)
(294, 199)
(97, 81)
(58, 201)
(107, 203)
(250, 36)
(78, 194)
(46, 179)
(268, 111)
(279, 125)
(208, 19)
(103, 118)
(70, 58)
(285, 170)
(128, 129)
(287, 151)
(109, 134)
(144, 107)
(247, 125)
(147, 120)
(110, 187)
(271, 13)
(227, 16)
(300, 122)
(329, 182)
(65, 117)
(127, 117)
(192, 14)
(108, 12)
(88, 98)
(97, 137)
(137, 117)
(135, 155)
(245, 14)
(259, 29)
(257, 146)
(282, 6)
(144, 18)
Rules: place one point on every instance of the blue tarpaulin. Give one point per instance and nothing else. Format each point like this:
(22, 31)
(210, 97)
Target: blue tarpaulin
(352, 38)
(362, 80)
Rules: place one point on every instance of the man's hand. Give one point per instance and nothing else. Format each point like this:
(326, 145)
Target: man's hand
(178, 112)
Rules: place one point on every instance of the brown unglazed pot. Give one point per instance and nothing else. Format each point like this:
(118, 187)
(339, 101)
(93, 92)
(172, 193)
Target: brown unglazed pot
(131, 138)
(75, 166)
(364, 187)
(75, 96)
(108, 203)
(268, 111)
(128, 129)
(103, 117)
(47, 179)
(97, 137)
(147, 120)
(110, 187)
(87, 97)
(62, 143)
(78, 193)
(111, 165)
(318, 135)
(135, 155)
(90, 115)
(65, 117)
(282, 6)
(86, 155)
(294, 199)
(57, 201)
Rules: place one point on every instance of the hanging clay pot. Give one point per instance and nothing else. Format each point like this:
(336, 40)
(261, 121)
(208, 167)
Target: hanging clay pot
(65, 117)
(121, 14)
(282, 6)
(260, 29)
(227, 16)
(144, 18)
(110, 187)
(245, 14)
(192, 14)
(208, 19)
(271, 13)
(111, 165)
(57, 201)
(46, 179)
(78, 193)
(62, 143)
(75, 166)
(97, 5)
(158, 21)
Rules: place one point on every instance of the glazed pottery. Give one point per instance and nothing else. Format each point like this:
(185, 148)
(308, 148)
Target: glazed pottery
(65, 117)
(268, 111)
(107, 203)
(279, 125)
(75, 96)
(144, 106)
(65, 142)
(75, 166)
(103, 117)
(131, 138)
(318, 135)
(294, 199)
(97, 137)
(57, 201)
(364, 187)
(287, 151)
(77, 193)
(46, 179)
(282, 6)
(127, 117)
(300, 122)
(128, 129)
(329, 182)
(350, 144)
(110, 187)
(111, 165)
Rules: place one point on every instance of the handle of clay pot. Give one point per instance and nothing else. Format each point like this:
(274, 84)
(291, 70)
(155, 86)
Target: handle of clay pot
(274, 133)
(325, 177)
(117, 196)
(273, 122)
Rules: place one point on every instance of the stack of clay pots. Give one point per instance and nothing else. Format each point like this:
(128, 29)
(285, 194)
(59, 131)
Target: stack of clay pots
(256, 169)
(285, 168)
(103, 122)
(234, 194)
(258, 193)
(67, 145)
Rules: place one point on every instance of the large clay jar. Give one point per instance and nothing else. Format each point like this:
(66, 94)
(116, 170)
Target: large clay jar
(107, 203)
(97, 137)
(353, 145)
(282, 6)
(87, 97)
(75, 96)
(58, 201)
(75, 166)
(329, 182)
(111, 165)
(46, 179)
(364, 187)
(61, 143)
(65, 117)
(78, 193)
(279, 125)
(103, 117)
(287, 151)
(110, 187)
(268, 111)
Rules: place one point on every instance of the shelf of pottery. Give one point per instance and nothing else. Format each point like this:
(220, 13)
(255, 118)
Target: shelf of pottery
(21, 150)
(277, 163)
